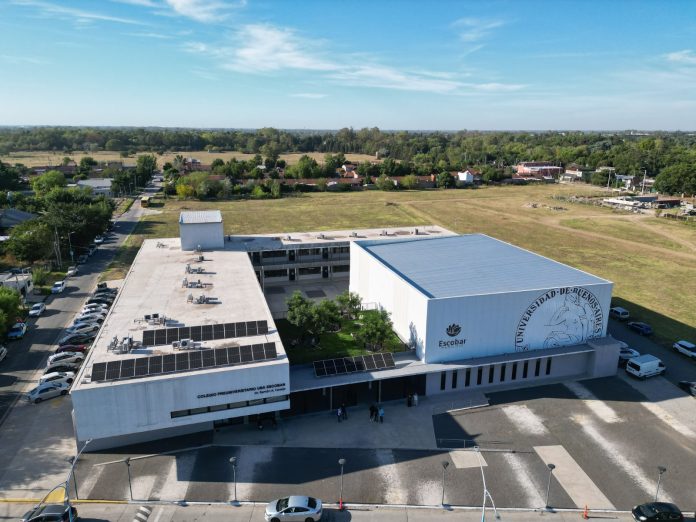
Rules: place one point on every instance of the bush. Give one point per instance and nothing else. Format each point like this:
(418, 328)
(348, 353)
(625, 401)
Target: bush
(40, 276)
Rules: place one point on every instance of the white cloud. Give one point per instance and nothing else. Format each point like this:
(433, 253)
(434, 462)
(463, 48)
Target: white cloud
(157, 36)
(267, 49)
(142, 3)
(77, 15)
(205, 11)
(309, 95)
(475, 29)
(687, 56)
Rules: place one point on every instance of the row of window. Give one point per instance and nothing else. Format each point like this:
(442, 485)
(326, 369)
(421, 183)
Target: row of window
(270, 254)
(230, 406)
(480, 373)
(312, 270)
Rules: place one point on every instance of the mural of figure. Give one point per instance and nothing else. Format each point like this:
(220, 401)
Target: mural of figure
(570, 323)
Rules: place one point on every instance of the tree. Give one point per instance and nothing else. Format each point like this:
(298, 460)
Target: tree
(600, 178)
(86, 164)
(677, 179)
(375, 330)
(113, 144)
(31, 241)
(184, 191)
(145, 167)
(384, 183)
(46, 182)
(325, 316)
(349, 303)
(300, 310)
(322, 184)
(444, 180)
(410, 182)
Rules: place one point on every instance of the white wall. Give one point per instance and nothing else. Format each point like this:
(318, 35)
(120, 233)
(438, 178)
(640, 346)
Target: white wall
(207, 235)
(134, 406)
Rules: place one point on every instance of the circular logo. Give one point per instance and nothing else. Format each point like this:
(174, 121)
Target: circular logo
(559, 317)
(454, 330)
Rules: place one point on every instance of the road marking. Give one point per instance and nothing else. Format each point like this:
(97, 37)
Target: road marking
(525, 419)
(143, 514)
(466, 459)
(572, 478)
(619, 457)
(598, 407)
(524, 478)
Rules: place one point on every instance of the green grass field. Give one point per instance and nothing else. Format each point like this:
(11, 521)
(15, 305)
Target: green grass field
(651, 261)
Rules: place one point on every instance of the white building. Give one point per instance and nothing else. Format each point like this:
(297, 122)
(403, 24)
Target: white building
(202, 229)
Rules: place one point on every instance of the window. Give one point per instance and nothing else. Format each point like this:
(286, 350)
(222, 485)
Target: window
(310, 251)
(454, 379)
(341, 268)
(467, 378)
(218, 407)
(548, 366)
(443, 380)
(502, 373)
(198, 411)
(479, 376)
(276, 273)
(312, 270)
(274, 253)
(180, 413)
(514, 371)
(524, 369)
(491, 373)
(537, 368)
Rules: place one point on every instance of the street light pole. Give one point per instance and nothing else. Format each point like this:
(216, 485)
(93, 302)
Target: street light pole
(660, 471)
(445, 465)
(130, 486)
(548, 486)
(341, 462)
(72, 255)
(486, 493)
(233, 461)
(71, 474)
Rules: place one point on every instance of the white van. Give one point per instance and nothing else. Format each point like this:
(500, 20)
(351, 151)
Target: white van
(645, 366)
(619, 313)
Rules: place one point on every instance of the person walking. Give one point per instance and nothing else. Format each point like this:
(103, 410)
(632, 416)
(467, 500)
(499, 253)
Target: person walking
(415, 399)
(344, 411)
(381, 415)
(373, 413)
(339, 414)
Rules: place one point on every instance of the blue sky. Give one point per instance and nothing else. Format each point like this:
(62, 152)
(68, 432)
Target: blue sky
(329, 64)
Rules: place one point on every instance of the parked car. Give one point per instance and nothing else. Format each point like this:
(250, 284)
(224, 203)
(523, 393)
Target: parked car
(58, 287)
(689, 387)
(657, 512)
(98, 240)
(105, 291)
(95, 308)
(66, 357)
(72, 271)
(3, 352)
(47, 391)
(626, 354)
(58, 377)
(685, 347)
(79, 348)
(102, 299)
(17, 331)
(641, 328)
(37, 310)
(294, 508)
(83, 327)
(77, 338)
(51, 512)
(645, 366)
(61, 367)
(82, 259)
(621, 314)
(95, 317)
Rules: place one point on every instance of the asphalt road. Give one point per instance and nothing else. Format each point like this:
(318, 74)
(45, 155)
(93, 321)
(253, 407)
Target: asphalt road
(27, 355)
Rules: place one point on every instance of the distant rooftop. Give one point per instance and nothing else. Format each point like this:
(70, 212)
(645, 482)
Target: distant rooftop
(200, 216)
(473, 264)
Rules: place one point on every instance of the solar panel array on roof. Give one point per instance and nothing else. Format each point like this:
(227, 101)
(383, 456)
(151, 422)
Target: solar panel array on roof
(206, 332)
(361, 363)
(182, 362)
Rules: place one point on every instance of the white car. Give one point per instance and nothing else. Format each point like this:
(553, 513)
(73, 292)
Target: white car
(58, 287)
(685, 347)
(66, 357)
(94, 308)
(98, 240)
(3, 352)
(82, 328)
(92, 317)
(58, 378)
(47, 391)
(72, 271)
(37, 310)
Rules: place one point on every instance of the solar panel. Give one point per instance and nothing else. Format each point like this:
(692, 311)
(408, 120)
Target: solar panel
(196, 333)
(172, 335)
(379, 361)
(141, 366)
(234, 355)
(241, 330)
(221, 357)
(369, 363)
(113, 370)
(168, 363)
(340, 366)
(98, 371)
(257, 352)
(319, 369)
(149, 338)
(155, 365)
(195, 360)
(330, 367)
(350, 364)
(182, 362)
(389, 360)
(247, 355)
(218, 331)
(127, 368)
(270, 349)
(160, 337)
(184, 333)
(251, 328)
(262, 327)
(361, 363)
(207, 332)
(230, 331)
(208, 358)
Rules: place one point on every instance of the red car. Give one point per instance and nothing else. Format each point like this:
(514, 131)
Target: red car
(80, 348)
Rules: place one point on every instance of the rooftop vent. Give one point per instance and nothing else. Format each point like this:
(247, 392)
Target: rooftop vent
(353, 234)
(321, 236)
(288, 238)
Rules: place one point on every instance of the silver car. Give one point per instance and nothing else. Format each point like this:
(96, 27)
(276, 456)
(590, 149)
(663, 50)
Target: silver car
(295, 508)
(46, 391)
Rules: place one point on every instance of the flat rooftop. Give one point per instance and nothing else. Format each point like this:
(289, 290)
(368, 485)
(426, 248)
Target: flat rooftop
(155, 285)
(473, 264)
(288, 240)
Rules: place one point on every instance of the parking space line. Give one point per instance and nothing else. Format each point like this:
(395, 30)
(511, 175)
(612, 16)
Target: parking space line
(572, 478)
(525, 419)
(598, 407)
(524, 478)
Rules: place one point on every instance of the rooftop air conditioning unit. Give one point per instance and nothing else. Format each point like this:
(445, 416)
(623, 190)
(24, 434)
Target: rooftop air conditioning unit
(288, 238)
(353, 234)
(320, 236)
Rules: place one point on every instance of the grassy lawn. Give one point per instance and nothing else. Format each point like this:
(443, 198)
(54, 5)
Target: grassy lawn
(334, 344)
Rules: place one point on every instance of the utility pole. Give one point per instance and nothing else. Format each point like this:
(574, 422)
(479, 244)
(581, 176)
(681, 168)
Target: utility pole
(642, 190)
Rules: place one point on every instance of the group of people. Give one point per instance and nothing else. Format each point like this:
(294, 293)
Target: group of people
(376, 413)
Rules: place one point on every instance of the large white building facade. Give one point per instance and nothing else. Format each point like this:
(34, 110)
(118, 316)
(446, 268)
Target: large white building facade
(191, 342)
